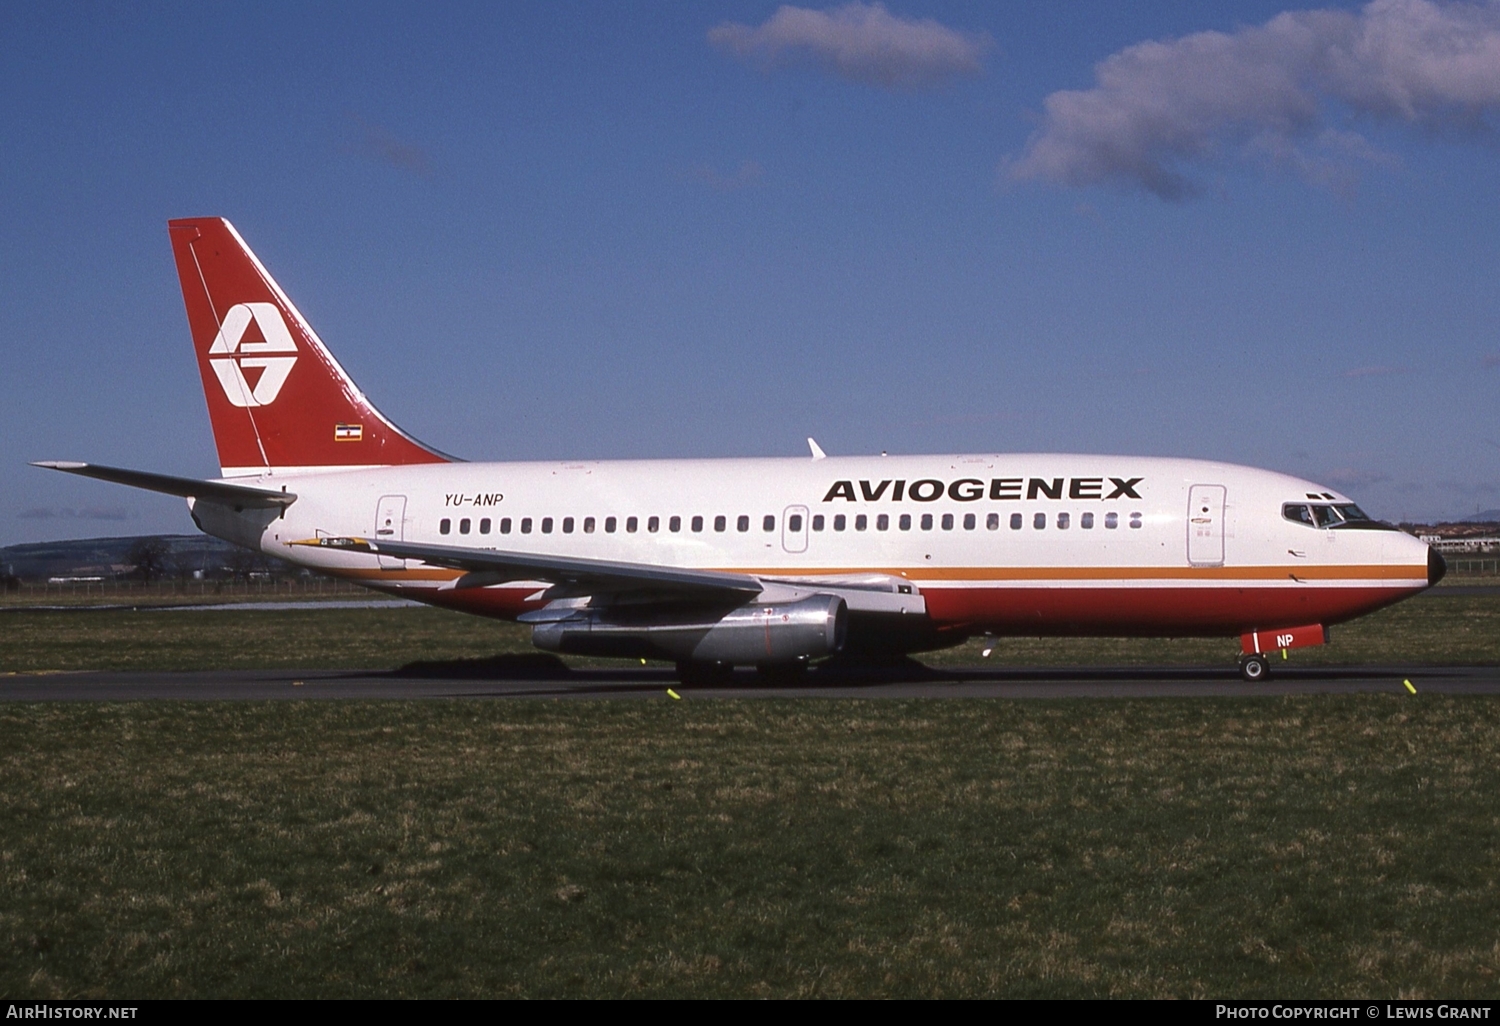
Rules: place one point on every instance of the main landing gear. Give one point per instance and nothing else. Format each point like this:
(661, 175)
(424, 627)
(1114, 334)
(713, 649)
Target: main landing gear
(1255, 668)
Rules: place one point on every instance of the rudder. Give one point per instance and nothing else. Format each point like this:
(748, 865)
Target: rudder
(277, 399)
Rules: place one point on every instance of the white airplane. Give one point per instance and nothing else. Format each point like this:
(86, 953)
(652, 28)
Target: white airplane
(768, 562)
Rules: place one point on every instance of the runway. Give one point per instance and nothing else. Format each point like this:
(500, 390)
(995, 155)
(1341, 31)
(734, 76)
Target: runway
(539, 677)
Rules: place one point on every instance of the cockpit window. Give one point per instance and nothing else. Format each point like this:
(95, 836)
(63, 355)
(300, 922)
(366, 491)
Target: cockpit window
(1326, 516)
(1357, 519)
(1343, 516)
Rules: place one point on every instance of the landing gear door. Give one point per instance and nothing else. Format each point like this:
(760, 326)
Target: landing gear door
(794, 529)
(1205, 525)
(390, 525)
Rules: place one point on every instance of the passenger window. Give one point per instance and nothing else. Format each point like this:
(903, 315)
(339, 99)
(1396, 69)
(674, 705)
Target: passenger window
(588, 525)
(1111, 521)
(768, 523)
(505, 525)
(1135, 520)
(632, 524)
(546, 525)
(947, 521)
(721, 523)
(794, 523)
(609, 525)
(525, 525)
(742, 524)
(968, 521)
(1039, 522)
(674, 525)
(1086, 521)
(840, 522)
(567, 525)
(484, 526)
(697, 524)
(817, 524)
(463, 526)
(992, 522)
(1062, 521)
(1015, 521)
(882, 522)
(445, 525)
(905, 522)
(1297, 513)
(653, 524)
(926, 521)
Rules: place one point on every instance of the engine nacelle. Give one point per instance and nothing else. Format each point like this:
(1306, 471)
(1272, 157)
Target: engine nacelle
(770, 633)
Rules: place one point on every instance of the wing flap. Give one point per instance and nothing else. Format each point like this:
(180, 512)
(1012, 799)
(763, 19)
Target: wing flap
(483, 567)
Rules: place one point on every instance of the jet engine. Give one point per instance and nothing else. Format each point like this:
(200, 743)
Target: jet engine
(749, 634)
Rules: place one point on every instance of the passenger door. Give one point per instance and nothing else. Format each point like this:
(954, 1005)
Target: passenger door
(794, 529)
(1205, 525)
(390, 525)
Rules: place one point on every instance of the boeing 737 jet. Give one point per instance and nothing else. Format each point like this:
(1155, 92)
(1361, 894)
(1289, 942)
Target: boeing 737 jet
(773, 563)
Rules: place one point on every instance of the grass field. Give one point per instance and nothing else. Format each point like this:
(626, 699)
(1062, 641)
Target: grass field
(1316, 846)
(1308, 846)
(178, 592)
(1456, 630)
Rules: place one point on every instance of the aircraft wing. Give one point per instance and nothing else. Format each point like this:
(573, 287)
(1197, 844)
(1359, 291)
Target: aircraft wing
(242, 496)
(570, 576)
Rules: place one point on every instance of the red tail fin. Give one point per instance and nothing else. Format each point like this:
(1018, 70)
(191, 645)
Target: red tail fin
(277, 398)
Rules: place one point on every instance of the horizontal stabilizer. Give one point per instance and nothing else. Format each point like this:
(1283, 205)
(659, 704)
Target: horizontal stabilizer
(493, 567)
(243, 496)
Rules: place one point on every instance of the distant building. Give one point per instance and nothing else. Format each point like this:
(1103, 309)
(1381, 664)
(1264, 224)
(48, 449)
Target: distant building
(1463, 538)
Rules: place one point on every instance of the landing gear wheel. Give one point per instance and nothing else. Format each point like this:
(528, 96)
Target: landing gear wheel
(704, 674)
(1255, 668)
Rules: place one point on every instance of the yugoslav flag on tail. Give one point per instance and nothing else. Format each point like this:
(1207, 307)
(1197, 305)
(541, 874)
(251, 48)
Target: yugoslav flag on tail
(277, 398)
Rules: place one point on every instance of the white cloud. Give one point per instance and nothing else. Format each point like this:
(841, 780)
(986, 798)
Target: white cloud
(1268, 93)
(861, 42)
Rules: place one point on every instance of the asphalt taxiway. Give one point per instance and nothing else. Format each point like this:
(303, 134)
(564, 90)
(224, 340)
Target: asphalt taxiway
(533, 677)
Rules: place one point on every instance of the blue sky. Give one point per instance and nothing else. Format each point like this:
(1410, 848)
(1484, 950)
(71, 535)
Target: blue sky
(1251, 232)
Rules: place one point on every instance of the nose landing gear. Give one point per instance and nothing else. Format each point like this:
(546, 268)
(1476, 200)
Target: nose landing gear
(1255, 667)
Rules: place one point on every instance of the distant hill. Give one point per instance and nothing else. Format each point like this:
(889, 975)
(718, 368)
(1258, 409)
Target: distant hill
(106, 557)
(1489, 516)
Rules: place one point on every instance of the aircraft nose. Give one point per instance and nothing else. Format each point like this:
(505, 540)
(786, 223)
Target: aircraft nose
(1437, 567)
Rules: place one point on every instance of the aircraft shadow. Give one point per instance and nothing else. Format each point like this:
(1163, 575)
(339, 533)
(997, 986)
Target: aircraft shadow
(510, 666)
(541, 666)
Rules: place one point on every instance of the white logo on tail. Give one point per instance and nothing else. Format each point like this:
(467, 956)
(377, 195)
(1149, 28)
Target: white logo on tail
(229, 355)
